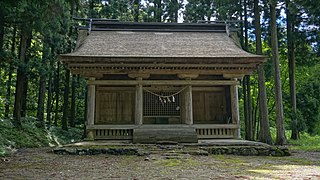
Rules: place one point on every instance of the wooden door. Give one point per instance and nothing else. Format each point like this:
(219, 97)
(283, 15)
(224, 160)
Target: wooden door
(115, 107)
(209, 107)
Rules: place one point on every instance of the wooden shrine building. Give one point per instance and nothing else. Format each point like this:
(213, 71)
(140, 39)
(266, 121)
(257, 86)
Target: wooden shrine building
(150, 82)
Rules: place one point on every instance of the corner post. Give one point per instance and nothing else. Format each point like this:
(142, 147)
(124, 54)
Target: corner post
(91, 101)
(188, 106)
(235, 109)
(188, 109)
(139, 104)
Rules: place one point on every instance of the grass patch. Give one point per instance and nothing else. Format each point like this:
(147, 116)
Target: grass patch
(177, 162)
(290, 160)
(306, 143)
(298, 161)
(229, 159)
(30, 136)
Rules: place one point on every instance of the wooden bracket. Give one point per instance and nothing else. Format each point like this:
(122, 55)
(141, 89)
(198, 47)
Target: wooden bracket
(139, 76)
(188, 76)
(233, 76)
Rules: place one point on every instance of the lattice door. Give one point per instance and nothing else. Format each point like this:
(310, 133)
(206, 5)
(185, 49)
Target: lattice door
(154, 106)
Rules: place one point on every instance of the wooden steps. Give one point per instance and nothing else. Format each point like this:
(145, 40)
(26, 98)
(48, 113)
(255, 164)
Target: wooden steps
(154, 134)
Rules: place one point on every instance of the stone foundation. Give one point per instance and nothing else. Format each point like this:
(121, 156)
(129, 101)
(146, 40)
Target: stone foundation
(214, 150)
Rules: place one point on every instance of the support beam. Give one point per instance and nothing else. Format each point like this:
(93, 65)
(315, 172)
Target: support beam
(91, 107)
(164, 82)
(139, 75)
(188, 106)
(188, 76)
(139, 105)
(235, 109)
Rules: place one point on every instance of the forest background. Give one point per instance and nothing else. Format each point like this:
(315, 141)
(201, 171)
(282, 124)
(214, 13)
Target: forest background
(280, 101)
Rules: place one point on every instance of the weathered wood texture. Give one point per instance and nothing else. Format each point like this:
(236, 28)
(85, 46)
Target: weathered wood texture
(147, 134)
(203, 131)
(139, 105)
(188, 106)
(162, 120)
(235, 108)
(209, 107)
(113, 134)
(162, 82)
(115, 107)
(91, 104)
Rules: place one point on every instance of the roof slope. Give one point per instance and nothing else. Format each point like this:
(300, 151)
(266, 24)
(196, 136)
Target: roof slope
(158, 44)
(167, 43)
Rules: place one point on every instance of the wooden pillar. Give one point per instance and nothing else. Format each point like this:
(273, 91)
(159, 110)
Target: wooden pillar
(139, 105)
(91, 102)
(235, 109)
(139, 97)
(188, 105)
(187, 110)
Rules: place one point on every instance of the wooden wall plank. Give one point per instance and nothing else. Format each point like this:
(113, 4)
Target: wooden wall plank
(115, 107)
(209, 107)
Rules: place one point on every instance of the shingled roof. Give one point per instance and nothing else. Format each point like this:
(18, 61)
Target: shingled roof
(112, 41)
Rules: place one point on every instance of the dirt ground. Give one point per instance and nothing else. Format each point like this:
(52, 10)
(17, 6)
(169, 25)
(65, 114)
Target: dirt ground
(41, 163)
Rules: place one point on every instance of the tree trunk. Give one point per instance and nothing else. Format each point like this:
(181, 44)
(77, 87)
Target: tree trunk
(264, 135)
(49, 93)
(249, 110)
(26, 82)
(158, 10)
(66, 100)
(10, 71)
(292, 67)
(246, 39)
(21, 78)
(1, 33)
(57, 93)
(91, 9)
(73, 101)
(241, 24)
(281, 137)
(246, 84)
(136, 8)
(42, 85)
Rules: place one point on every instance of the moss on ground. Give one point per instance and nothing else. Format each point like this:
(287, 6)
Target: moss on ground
(177, 162)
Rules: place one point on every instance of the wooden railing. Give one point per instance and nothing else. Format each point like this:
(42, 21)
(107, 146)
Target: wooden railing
(216, 131)
(125, 132)
(117, 132)
(113, 134)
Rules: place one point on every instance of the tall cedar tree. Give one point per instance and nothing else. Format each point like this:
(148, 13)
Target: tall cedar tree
(10, 73)
(21, 77)
(292, 67)
(42, 84)
(280, 137)
(249, 135)
(73, 101)
(264, 134)
(66, 100)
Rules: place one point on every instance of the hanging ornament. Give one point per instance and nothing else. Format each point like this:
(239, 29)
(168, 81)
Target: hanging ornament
(160, 99)
(168, 99)
(173, 99)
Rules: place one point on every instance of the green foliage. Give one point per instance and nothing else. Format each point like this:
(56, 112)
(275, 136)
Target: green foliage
(306, 143)
(31, 136)
(28, 136)
(206, 10)
(70, 136)
(308, 100)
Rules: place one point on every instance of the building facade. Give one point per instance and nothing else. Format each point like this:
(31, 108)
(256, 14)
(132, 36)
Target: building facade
(150, 82)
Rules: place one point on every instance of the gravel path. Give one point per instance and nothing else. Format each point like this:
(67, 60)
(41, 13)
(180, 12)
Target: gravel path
(40, 163)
